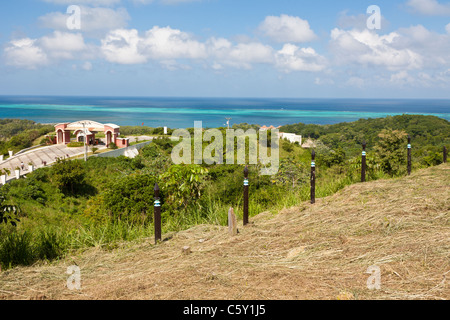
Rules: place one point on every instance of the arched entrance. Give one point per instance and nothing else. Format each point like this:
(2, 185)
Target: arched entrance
(108, 138)
(86, 130)
(59, 136)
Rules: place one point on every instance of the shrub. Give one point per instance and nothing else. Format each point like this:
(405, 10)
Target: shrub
(131, 199)
(75, 144)
(150, 151)
(183, 184)
(68, 175)
(164, 143)
(113, 146)
(16, 249)
(49, 245)
(390, 150)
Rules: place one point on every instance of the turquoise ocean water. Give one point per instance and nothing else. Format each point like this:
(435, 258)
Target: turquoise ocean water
(182, 112)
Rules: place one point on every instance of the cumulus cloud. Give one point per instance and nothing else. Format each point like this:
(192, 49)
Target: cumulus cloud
(413, 56)
(164, 44)
(429, 7)
(62, 44)
(25, 54)
(447, 28)
(33, 53)
(241, 55)
(434, 48)
(366, 47)
(168, 43)
(292, 58)
(122, 46)
(287, 28)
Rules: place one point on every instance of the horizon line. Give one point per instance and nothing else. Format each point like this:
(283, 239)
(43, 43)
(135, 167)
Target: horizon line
(213, 97)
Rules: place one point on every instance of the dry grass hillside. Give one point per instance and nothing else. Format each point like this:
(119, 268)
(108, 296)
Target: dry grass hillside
(319, 251)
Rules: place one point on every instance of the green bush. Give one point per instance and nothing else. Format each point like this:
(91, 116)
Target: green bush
(164, 143)
(390, 150)
(113, 146)
(150, 151)
(68, 175)
(130, 199)
(16, 249)
(75, 144)
(50, 245)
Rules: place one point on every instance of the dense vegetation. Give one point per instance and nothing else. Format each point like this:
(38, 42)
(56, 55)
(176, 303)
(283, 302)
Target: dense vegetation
(428, 135)
(16, 134)
(102, 202)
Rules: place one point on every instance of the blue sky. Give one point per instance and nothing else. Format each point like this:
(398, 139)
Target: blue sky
(225, 48)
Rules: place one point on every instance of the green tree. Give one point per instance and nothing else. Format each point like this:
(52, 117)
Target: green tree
(291, 172)
(390, 150)
(334, 157)
(68, 175)
(183, 184)
(131, 199)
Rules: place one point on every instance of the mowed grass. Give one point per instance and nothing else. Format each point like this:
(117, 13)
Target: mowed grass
(319, 251)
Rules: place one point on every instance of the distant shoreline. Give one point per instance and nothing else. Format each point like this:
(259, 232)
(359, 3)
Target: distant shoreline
(181, 113)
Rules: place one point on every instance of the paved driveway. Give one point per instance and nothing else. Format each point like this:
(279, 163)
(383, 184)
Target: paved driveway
(38, 156)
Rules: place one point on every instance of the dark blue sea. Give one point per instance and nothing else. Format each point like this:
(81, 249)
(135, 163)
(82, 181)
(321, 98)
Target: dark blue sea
(182, 112)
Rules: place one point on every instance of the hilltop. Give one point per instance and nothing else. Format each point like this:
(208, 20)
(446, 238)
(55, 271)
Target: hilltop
(319, 251)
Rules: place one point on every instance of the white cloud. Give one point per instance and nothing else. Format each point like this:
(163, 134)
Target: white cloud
(430, 7)
(95, 21)
(292, 58)
(121, 46)
(434, 48)
(367, 48)
(401, 77)
(87, 66)
(167, 43)
(287, 28)
(33, 53)
(163, 44)
(447, 28)
(413, 56)
(62, 44)
(241, 55)
(25, 54)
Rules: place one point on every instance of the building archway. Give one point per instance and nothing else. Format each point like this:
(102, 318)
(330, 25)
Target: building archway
(108, 135)
(85, 130)
(59, 136)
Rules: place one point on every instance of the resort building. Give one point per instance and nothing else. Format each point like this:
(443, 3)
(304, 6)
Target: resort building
(86, 130)
(291, 137)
